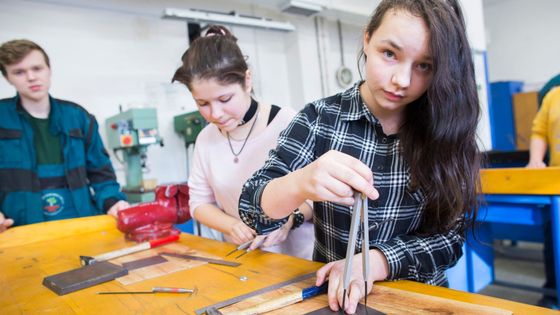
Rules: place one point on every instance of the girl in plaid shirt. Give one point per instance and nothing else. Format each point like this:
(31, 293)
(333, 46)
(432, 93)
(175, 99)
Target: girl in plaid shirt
(404, 137)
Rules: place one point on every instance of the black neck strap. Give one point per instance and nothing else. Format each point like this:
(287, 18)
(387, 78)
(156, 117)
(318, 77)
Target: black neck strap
(250, 113)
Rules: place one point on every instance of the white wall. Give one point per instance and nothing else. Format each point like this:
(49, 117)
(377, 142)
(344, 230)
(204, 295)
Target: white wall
(474, 18)
(108, 53)
(523, 40)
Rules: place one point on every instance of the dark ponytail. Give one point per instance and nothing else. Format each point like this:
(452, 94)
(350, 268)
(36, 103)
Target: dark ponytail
(215, 55)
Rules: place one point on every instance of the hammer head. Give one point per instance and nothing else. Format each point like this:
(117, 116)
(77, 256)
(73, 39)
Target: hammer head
(87, 260)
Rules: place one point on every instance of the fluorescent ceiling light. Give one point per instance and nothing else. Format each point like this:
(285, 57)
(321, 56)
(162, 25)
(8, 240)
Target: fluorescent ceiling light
(300, 8)
(223, 18)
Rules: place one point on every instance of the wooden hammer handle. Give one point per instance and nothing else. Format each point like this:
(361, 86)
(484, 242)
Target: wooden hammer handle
(123, 252)
(137, 248)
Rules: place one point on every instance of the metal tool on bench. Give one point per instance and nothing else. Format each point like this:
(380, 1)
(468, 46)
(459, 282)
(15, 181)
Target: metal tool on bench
(83, 277)
(154, 290)
(284, 301)
(88, 260)
(214, 308)
(358, 225)
(199, 258)
(245, 247)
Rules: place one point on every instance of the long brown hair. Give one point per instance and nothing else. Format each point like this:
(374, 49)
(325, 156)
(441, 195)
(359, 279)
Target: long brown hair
(213, 56)
(438, 135)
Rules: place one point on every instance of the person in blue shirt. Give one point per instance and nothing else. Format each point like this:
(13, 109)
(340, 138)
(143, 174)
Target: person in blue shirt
(52, 161)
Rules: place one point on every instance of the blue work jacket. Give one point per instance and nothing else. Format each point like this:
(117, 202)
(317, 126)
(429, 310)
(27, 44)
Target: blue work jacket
(88, 173)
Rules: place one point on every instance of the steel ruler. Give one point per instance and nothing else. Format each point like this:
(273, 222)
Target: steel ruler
(240, 298)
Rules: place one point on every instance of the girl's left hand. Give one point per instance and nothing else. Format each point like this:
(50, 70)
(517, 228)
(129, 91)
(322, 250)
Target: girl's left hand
(334, 271)
(279, 235)
(276, 237)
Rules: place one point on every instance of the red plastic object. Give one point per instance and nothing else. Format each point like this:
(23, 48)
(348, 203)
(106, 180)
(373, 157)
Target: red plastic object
(165, 240)
(153, 220)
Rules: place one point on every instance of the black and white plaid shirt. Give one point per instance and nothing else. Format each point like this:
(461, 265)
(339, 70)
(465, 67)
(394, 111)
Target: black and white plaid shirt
(343, 122)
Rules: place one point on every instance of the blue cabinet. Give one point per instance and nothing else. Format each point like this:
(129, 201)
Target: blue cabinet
(502, 122)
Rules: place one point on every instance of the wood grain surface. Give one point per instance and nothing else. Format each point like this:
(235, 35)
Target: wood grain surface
(523, 181)
(384, 299)
(30, 253)
(172, 265)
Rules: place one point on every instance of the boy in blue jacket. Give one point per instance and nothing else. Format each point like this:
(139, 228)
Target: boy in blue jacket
(52, 161)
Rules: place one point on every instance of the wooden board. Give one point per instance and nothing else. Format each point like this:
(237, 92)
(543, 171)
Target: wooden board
(525, 108)
(384, 299)
(524, 181)
(394, 301)
(173, 264)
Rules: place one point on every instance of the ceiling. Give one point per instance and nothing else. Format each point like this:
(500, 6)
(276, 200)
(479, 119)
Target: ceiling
(348, 11)
(492, 2)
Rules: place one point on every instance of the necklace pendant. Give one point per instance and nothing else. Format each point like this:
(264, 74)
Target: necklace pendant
(235, 160)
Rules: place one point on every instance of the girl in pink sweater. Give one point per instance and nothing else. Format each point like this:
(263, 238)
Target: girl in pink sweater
(234, 145)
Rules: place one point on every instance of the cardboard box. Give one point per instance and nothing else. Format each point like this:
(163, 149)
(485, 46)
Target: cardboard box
(525, 107)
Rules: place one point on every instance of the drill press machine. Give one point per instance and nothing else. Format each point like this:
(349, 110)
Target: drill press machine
(189, 126)
(131, 132)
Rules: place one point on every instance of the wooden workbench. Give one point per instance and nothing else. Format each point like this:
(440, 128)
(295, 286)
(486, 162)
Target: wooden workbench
(516, 203)
(521, 181)
(29, 253)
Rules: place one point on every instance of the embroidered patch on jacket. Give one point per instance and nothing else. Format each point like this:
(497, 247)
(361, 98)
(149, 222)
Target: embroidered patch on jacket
(53, 203)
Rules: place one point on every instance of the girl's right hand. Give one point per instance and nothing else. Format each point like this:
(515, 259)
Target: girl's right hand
(241, 233)
(334, 177)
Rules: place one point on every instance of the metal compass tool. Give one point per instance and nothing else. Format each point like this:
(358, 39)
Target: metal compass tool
(358, 225)
(245, 247)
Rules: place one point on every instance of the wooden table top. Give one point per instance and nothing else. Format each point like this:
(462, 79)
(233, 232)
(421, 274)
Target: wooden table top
(520, 180)
(30, 253)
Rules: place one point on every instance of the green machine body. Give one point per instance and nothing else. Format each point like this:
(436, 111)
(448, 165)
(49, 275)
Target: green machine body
(131, 132)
